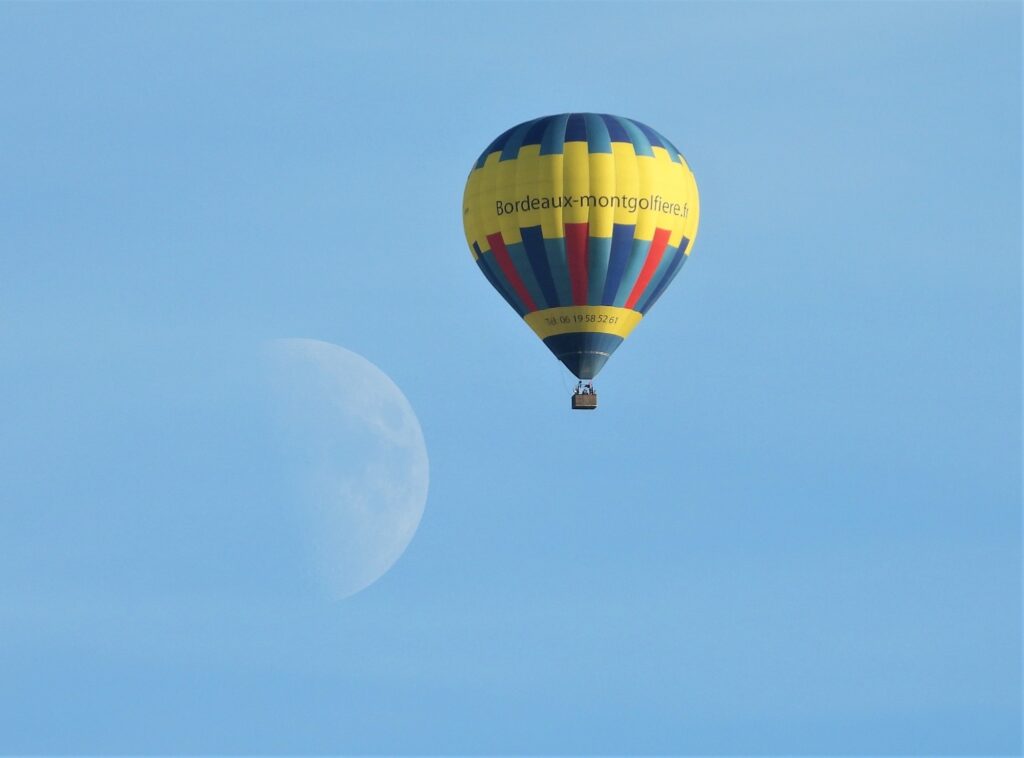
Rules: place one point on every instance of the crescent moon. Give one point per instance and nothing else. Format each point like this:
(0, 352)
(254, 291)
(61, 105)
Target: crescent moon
(359, 457)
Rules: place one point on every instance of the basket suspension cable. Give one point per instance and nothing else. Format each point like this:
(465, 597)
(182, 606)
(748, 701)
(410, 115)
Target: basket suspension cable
(561, 374)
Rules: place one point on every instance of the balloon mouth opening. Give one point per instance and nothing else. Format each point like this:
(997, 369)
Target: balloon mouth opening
(583, 353)
(584, 366)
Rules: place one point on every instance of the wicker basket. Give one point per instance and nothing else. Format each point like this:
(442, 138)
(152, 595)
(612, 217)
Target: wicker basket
(584, 402)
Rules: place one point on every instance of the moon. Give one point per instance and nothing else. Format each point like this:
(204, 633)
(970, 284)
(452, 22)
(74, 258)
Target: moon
(356, 451)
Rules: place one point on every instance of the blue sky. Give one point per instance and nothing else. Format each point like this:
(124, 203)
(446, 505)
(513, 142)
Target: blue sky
(794, 524)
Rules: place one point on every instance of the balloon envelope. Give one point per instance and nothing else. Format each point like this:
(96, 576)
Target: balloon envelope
(580, 221)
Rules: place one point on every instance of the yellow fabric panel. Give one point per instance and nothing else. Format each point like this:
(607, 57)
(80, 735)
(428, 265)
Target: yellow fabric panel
(676, 178)
(626, 179)
(602, 182)
(647, 185)
(478, 200)
(469, 216)
(552, 184)
(505, 186)
(693, 220)
(529, 181)
(606, 319)
(576, 164)
(668, 191)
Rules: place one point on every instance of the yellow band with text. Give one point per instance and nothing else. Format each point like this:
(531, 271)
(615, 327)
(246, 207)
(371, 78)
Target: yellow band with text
(606, 319)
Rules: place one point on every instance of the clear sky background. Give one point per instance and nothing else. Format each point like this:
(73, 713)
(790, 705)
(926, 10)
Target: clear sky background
(794, 524)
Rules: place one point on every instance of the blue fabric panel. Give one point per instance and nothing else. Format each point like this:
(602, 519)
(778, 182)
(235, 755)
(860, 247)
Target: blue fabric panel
(576, 128)
(559, 263)
(536, 132)
(554, 136)
(523, 262)
(599, 130)
(510, 151)
(652, 136)
(670, 274)
(598, 140)
(616, 131)
(598, 253)
(663, 266)
(637, 258)
(641, 144)
(672, 150)
(498, 144)
(533, 242)
(493, 274)
(677, 154)
(622, 245)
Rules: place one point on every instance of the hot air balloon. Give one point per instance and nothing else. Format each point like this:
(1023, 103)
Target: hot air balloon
(580, 221)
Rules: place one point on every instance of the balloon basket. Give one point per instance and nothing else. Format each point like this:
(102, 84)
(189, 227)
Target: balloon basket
(584, 402)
